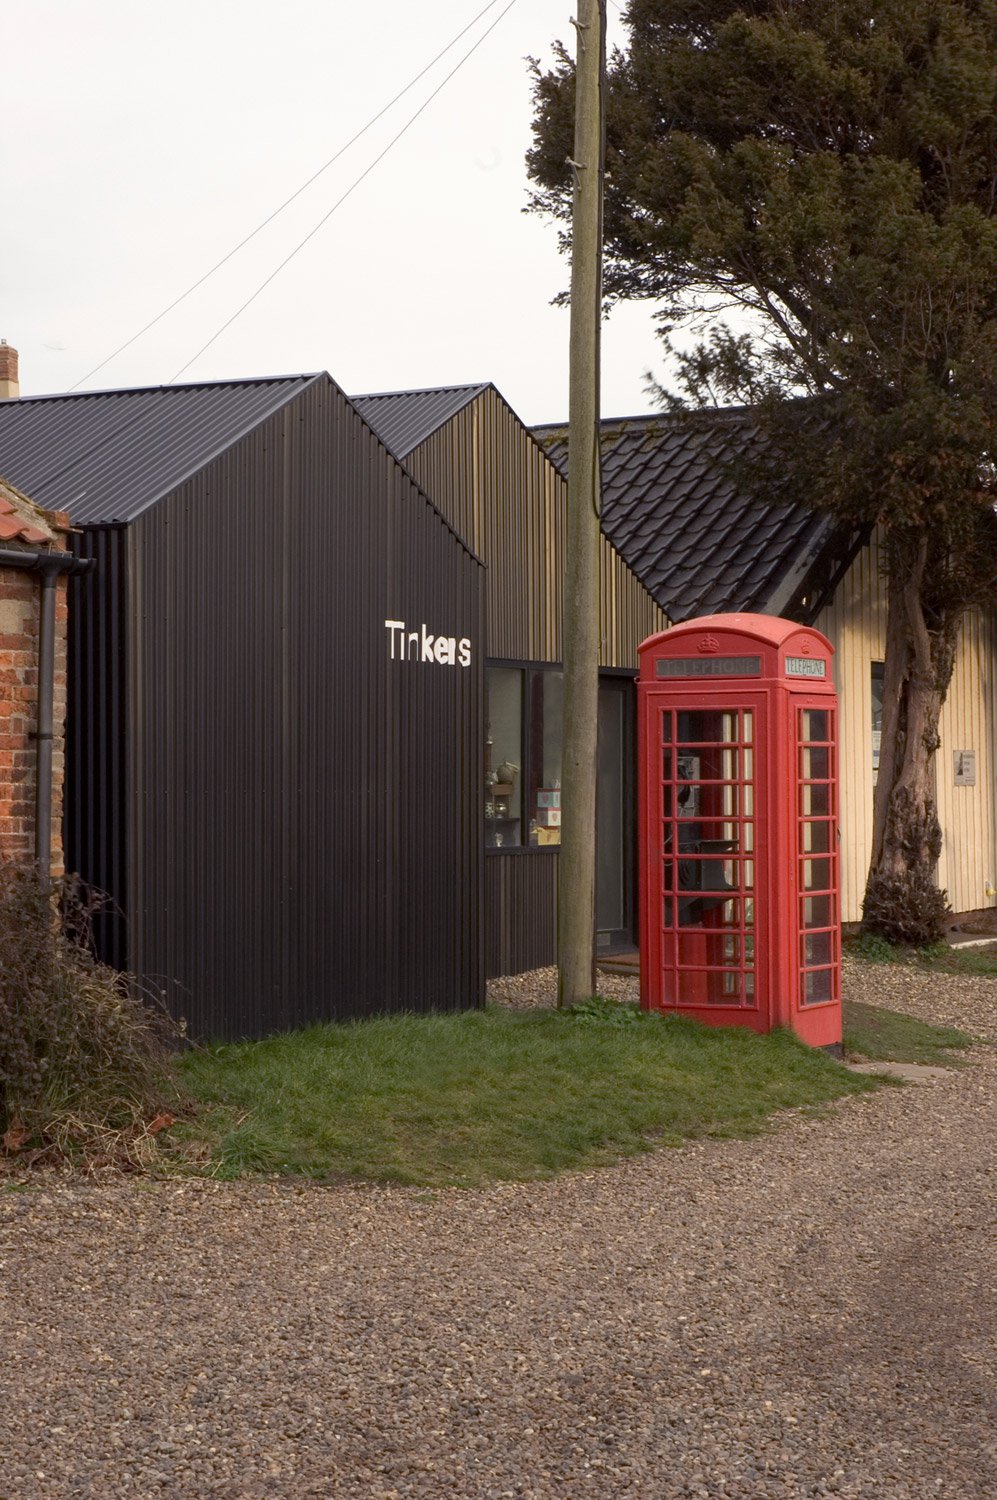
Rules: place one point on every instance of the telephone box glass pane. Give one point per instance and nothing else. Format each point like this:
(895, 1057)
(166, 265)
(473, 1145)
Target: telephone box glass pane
(666, 765)
(719, 803)
(666, 727)
(815, 837)
(815, 801)
(698, 988)
(708, 764)
(818, 911)
(816, 763)
(709, 949)
(817, 875)
(818, 986)
(817, 949)
(814, 724)
(707, 727)
(719, 833)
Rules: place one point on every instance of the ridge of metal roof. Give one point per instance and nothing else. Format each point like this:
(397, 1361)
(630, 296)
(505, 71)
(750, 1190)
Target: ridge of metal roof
(108, 456)
(182, 385)
(405, 419)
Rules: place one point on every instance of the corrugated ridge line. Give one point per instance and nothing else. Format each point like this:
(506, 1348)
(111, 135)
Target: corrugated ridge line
(404, 420)
(131, 448)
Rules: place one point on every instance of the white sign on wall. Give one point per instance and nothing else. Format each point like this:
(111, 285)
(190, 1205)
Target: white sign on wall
(420, 645)
(965, 767)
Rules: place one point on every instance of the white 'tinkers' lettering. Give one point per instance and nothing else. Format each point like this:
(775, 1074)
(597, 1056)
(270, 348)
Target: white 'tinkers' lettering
(420, 645)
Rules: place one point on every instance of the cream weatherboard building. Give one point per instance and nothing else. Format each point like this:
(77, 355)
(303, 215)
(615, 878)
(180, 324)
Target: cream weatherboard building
(855, 622)
(678, 508)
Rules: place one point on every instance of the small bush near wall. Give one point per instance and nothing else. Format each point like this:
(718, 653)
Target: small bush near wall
(85, 1065)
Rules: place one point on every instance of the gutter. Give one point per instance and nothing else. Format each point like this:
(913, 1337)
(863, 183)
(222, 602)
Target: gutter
(49, 565)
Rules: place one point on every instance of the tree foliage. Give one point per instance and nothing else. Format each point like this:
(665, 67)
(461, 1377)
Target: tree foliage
(813, 182)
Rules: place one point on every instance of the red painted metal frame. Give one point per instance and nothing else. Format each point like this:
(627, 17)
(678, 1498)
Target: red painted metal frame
(694, 958)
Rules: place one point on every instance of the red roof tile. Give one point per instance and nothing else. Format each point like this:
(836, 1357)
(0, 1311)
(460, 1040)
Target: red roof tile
(23, 521)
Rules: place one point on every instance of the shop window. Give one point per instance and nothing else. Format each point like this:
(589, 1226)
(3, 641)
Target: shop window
(523, 747)
(546, 727)
(504, 758)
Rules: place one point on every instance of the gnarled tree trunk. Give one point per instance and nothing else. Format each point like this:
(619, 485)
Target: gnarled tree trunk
(902, 900)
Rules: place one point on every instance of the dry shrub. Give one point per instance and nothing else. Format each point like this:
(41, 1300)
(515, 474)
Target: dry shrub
(909, 913)
(85, 1064)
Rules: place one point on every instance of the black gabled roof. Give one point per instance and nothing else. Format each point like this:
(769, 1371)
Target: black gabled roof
(106, 456)
(404, 419)
(676, 507)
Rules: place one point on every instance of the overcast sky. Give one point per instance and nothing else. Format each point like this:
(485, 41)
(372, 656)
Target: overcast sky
(141, 142)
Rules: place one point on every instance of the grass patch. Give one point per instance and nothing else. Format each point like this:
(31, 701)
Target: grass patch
(495, 1094)
(887, 1036)
(940, 958)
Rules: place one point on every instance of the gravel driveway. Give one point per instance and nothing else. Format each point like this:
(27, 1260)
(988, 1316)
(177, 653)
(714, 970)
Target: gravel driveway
(806, 1314)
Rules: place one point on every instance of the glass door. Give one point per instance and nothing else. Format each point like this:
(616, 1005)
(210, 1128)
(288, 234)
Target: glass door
(614, 817)
(708, 850)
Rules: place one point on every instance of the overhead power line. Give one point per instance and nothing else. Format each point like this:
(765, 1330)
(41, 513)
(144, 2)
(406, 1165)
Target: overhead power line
(296, 194)
(340, 201)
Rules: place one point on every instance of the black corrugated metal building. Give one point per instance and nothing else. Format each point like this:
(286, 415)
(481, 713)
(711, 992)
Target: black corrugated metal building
(491, 478)
(279, 789)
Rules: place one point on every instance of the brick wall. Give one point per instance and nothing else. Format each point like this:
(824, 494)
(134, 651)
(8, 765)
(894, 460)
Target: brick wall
(20, 595)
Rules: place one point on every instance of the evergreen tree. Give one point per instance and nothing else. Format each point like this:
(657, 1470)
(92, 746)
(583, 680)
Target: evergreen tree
(826, 168)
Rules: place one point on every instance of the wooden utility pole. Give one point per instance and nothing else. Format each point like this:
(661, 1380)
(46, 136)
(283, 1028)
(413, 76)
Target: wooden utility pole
(576, 877)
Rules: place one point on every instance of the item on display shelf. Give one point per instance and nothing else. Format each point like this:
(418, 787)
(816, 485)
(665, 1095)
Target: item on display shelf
(549, 817)
(508, 772)
(549, 796)
(548, 836)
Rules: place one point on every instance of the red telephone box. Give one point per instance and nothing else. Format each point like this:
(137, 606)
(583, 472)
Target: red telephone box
(739, 890)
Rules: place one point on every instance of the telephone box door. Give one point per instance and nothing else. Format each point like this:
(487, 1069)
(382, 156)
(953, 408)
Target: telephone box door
(706, 822)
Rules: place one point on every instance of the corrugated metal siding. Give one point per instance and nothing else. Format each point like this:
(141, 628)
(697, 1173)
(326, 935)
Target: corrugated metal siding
(95, 799)
(497, 487)
(520, 912)
(308, 812)
(856, 624)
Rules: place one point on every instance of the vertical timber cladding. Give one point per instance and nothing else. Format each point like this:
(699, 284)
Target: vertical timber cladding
(855, 622)
(495, 483)
(310, 808)
(95, 800)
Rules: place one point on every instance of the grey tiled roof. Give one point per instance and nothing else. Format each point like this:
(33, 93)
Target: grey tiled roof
(678, 511)
(107, 456)
(404, 419)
